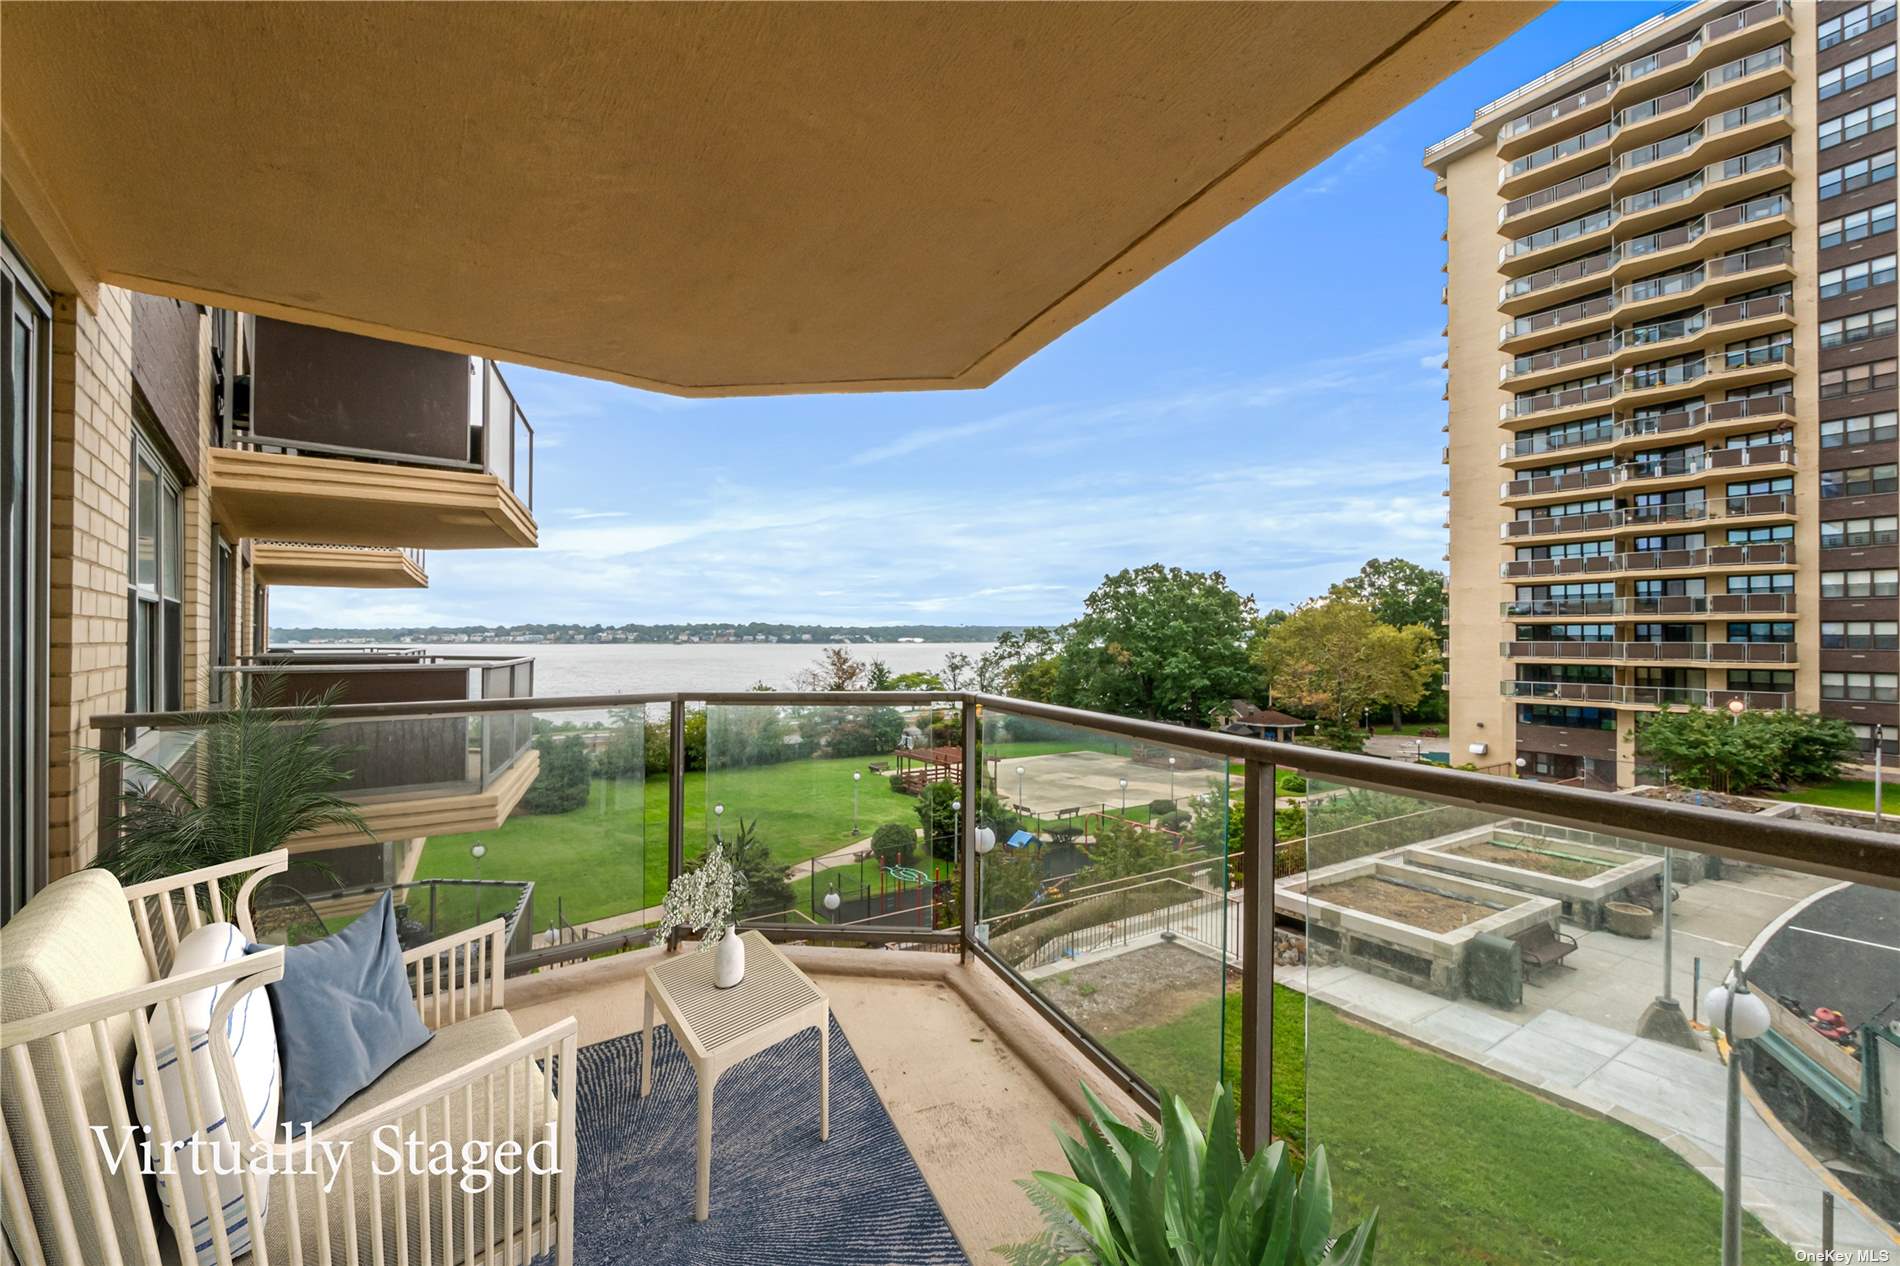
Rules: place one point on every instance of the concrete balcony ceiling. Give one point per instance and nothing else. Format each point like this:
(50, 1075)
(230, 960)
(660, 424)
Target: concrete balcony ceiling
(705, 200)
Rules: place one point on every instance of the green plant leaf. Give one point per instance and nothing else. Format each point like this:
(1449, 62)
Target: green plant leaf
(1312, 1211)
(1355, 1247)
(1084, 1205)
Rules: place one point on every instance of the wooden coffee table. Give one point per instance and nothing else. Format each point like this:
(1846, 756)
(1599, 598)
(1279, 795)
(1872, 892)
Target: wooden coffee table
(719, 1027)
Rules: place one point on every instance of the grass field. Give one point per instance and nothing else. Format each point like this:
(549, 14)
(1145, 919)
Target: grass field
(1461, 1166)
(610, 857)
(1846, 793)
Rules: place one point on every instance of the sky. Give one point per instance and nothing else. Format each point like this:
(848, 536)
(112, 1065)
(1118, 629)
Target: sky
(1268, 407)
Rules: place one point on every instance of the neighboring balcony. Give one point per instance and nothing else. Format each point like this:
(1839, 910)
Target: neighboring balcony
(1553, 204)
(1684, 244)
(1718, 41)
(1539, 290)
(1546, 124)
(1709, 330)
(338, 566)
(1716, 185)
(1731, 84)
(1718, 137)
(335, 439)
(413, 775)
(1645, 696)
(1673, 605)
(1641, 562)
(1634, 652)
(1761, 506)
(1558, 161)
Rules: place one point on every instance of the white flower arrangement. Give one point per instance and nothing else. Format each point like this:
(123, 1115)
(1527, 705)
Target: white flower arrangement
(702, 900)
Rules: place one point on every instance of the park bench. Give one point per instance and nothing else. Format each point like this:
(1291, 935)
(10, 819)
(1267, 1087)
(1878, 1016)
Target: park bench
(1543, 946)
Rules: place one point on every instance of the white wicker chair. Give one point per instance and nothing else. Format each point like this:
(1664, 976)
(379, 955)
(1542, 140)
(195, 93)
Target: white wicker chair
(82, 982)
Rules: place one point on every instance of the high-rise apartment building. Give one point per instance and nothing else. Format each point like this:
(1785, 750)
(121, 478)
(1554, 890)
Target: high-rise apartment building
(1670, 296)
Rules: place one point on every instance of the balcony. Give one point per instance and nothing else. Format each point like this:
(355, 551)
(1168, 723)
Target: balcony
(1637, 652)
(1720, 136)
(1635, 608)
(1151, 978)
(335, 439)
(1565, 200)
(338, 566)
(1761, 506)
(1713, 186)
(1660, 697)
(1688, 243)
(1525, 255)
(1556, 365)
(1734, 83)
(1577, 112)
(1555, 405)
(1552, 285)
(1556, 162)
(1642, 562)
(1719, 40)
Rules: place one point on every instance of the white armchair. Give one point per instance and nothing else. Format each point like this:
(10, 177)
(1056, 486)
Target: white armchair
(85, 997)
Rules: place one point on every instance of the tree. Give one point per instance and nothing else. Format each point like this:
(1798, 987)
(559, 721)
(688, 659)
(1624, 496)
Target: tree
(561, 786)
(880, 675)
(915, 681)
(1123, 850)
(1711, 749)
(1400, 592)
(940, 814)
(957, 670)
(836, 669)
(892, 843)
(763, 887)
(1159, 643)
(1335, 659)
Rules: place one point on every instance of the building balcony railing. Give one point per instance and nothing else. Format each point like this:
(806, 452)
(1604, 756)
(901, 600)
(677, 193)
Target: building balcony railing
(1593, 96)
(1635, 518)
(1664, 292)
(1552, 196)
(1697, 558)
(1671, 605)
(1646, 696)
(1675, 466)
(1714, 137)
(1664, 242)
(1642, 652)
(333, 438)
(1714, 39)
(981, 947)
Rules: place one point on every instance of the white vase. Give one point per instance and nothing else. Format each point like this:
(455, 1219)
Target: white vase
(729, 960)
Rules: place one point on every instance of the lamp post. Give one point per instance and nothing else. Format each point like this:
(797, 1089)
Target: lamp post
(1880, 737)
(1735, 709)
(478, 850)
(1019, 786)
(831, 903)
(1124, 783)
(857, 776)
(1521, 764)
(1744, 1017)
(719, 811)
(1170, 777)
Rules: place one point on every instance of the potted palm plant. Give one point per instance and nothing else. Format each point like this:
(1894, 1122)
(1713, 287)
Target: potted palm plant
(262, 776)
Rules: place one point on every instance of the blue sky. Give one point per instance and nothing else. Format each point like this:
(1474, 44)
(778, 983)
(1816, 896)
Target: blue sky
(1268, 406)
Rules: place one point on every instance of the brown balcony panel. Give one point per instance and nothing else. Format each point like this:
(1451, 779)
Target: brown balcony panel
(337, 566)
(408, 815)
(1542, 126)
(1555, 203)
(337, 502)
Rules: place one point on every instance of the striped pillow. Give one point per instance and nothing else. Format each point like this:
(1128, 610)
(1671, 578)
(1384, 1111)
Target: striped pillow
(253, 1039)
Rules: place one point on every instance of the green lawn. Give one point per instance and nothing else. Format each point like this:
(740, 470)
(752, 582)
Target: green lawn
(1846, 793)
(610, 857)
(1461, 1166)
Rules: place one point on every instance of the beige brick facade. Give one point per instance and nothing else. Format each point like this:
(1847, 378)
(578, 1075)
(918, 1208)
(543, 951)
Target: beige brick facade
(90, 501)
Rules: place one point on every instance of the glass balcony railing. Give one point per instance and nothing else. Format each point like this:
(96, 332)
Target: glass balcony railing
(1345, 940)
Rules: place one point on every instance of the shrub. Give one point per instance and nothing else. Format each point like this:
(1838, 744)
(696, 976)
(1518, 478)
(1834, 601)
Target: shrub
(561, 786)
(1175, 819)
(892, 842)
(1160, 808)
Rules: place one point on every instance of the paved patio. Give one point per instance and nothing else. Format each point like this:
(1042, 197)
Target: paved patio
(1090, 780)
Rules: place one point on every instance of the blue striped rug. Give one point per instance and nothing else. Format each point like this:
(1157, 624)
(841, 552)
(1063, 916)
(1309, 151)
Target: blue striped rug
(779, 1196)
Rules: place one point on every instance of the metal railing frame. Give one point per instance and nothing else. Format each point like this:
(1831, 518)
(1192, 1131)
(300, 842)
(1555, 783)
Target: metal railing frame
(1810, 847)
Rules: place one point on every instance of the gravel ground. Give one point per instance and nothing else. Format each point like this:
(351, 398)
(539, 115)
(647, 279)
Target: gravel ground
(1140, 989)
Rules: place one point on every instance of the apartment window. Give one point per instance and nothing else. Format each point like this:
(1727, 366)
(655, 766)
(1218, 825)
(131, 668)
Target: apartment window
(1773, 680)
(1566, 718)
(1567, 549)
(1851, 380)
(1566, 632)
(1864, 734)
(1761, 631)
(1877, 582)
(1773, 582)
(1858, 20)
(154, 586)
(1855, 124)
(1861, 687)
(1765, 349)
(1678, 633)
(1860, 635)
(1761, 439)
(1879, 529)
(1571, 468)
(1857, 328)
(1860, 481)
(1867, 428)
(1761, 535)
(1856, 175)
(1674, 540)
(1861, 275)
(1568, 674)
(1856, 225)
(1567, 435)
(1675, 587)
(1600, 505)
(25, 445)
(1847, 76)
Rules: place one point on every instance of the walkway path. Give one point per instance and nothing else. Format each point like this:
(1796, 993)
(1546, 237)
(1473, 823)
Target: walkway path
(1675, 1096)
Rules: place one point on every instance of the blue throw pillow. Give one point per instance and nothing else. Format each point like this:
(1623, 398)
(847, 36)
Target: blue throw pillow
(344, 1014)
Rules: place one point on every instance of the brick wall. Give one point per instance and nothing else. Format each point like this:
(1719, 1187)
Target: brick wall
(90, 498)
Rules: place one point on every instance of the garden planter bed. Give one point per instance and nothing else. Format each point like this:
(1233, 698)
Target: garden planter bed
(1404, 922)
(1582, 875)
